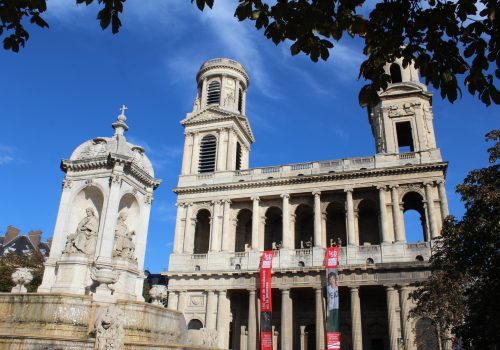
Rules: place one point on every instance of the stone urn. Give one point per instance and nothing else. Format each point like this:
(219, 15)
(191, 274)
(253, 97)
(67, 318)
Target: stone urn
(158, 293)
(21, 277)
(105, 278)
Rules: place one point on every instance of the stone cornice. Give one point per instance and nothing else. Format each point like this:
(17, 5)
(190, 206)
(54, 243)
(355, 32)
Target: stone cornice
(314, 178)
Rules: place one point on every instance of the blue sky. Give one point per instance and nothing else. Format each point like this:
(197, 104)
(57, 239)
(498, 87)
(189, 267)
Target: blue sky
(67, 86)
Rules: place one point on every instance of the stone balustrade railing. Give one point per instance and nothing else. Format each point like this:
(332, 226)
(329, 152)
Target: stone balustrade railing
(300, 258)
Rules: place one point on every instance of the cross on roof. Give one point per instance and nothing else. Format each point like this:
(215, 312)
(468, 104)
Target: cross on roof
(123, 108)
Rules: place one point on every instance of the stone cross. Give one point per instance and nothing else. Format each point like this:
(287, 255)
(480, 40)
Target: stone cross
(123, 108)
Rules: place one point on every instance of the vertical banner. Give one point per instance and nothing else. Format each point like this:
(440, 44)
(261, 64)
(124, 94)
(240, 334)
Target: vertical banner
(332, 298)
(266, 305)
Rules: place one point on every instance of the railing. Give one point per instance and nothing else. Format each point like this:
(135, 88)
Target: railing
(267, 170)
(305, 251)
(198, 256)
(301, 166)
(205, 176)
(410, 155)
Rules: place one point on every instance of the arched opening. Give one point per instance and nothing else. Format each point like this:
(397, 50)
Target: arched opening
(208, 149)
(396, 76)
(426, 335)
(240, 101)
(238, 156)
(414, 218)
(213, 95)
(195, 324)
(336, 224)
(304, 227)
(369, 232)
(273, 231)
(202, 232)
(243, 231)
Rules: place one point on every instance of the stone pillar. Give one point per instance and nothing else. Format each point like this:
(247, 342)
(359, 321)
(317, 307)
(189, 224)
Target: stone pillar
(255, 223)
(204, 92)
(399, 234)
(231, 149)
(172, 300)
(189, 230)
(357, 331)
(286, 320)
(252, 321)
(220, 161)
(188, 153)
(351, 235)
(392, 303)
(443, 199)
(215, 238)
(180, 223)
(223, 319)
(317, 219)
(320, 319)
(430, 209)
(195, 152)
(182, 303)
(211, 320)
(286, 222)
(383, 214)
(226, 227)
(408, 336)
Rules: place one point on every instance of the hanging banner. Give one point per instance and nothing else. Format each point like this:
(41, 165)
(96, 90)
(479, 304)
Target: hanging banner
(266, 305)
(332, 298)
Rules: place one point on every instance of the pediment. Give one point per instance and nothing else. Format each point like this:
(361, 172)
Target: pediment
(402, 88)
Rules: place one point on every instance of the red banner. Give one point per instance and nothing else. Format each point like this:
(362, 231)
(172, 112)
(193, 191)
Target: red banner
(332, 298)
(266, 304)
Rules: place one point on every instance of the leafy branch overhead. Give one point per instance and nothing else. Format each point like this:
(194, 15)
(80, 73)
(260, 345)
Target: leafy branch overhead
(445, 40)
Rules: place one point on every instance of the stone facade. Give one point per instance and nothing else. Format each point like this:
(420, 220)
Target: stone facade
(228, 213)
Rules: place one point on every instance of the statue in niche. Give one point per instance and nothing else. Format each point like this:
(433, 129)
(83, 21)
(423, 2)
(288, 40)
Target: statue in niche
(109, 329)
(85, 238)
(124, 239)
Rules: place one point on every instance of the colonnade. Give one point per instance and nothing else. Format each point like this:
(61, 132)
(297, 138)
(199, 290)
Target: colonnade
(222, 221)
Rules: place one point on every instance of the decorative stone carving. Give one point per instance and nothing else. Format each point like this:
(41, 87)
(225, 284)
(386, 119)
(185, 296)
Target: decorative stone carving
(124, 239)
(85, 238)
(158, 293)
(229, 99)
(109, 329)
(197, 300)
(66, 184)
(104, 278)
(209, 337)
(21, 277)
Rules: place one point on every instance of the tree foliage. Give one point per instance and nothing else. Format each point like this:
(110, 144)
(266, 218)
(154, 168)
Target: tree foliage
(8, 264)
(461, 294)
(444, 39)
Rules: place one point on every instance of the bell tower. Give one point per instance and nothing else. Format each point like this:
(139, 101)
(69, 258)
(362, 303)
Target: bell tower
(402, 120)
(217, 132)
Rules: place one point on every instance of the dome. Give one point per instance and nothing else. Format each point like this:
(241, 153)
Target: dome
(117, 145)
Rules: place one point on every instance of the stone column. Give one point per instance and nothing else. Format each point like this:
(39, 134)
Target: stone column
(443, 198)
(392, 303)
(320, 319)
(188, 153)
(180, 223)
(195, 152)
(215, 239)
(255, 223)
(357, 332)
(182, 303)
(317, 220)
(408, 335)
(231, 149)
(252, 321)
(211, 321)
(226, 226)
(286, 320)
(351, 235)
(430, 209)
(189, 230)
(172, 300)
(383, 214)
(399, 234)
(223, 319)
(220, 161)
(286, 222)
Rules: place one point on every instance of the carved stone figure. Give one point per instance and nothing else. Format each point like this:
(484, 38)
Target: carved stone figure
(159, 294)
(21, 277)
(229, 100)
(109, 329)
(124, 239)
(209, 337)
(85, 238)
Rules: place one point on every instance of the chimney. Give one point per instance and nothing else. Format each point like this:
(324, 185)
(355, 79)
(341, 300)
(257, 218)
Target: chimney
(35, 237)
(12, 232)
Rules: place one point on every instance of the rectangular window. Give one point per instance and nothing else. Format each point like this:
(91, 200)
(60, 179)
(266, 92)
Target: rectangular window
(405, 137)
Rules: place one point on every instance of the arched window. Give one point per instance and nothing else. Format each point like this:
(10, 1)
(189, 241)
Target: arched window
(304, 227)
(396, 73)
(426, 335)
(240, 101)
(243, 230)
(208, 149)
(195, 324)
(202, 232)
(368, 223)
(273, 232)
(238, 156)
(414, 218)
(336, 224)
(213, 95)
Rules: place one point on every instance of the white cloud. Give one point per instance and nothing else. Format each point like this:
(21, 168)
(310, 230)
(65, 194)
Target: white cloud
(6, 154)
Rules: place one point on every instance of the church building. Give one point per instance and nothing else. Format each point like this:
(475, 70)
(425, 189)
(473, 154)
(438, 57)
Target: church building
(229, 213)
